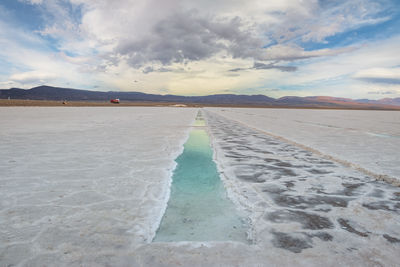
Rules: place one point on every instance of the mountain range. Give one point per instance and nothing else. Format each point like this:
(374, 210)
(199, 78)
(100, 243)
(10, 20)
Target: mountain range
(56, 93)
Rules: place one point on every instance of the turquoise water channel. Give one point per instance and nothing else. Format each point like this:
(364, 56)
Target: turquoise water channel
(198, 208)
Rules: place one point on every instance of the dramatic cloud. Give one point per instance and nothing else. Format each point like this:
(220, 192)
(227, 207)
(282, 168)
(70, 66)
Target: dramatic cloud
(197, 47)
(184, 37)
(189, 35)
(180, 32)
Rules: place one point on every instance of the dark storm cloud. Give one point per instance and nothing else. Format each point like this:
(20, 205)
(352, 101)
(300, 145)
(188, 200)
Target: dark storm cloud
(148, 70)
(189, 37)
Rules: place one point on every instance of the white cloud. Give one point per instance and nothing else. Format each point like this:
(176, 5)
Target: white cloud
(379, 75)
(345, 16)
(346, 74)
(294, 52)
(33, 77)
(33, 2)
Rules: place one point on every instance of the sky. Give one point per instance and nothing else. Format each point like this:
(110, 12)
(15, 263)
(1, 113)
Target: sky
(189, 47)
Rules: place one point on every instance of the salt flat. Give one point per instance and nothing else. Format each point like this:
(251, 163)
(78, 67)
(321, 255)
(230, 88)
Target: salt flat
(84, 181)
(366, 138)
(300, 202)
(88, 186)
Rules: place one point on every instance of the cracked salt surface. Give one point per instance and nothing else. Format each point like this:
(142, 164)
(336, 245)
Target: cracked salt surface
(84, 182)
(305, 210)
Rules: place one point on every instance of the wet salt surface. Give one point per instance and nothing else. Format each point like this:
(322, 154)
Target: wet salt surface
(298, 200)
(88, 187)
(366, 138)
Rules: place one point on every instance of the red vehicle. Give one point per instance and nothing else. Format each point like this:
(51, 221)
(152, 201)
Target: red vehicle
(115, 101)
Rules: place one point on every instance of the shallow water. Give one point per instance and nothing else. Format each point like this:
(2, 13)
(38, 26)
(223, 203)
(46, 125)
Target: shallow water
(198, 208)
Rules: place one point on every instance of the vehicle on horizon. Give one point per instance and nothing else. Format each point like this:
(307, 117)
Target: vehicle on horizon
(115, 101)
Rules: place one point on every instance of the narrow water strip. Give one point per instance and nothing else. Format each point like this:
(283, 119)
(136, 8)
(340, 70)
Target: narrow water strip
(198, 208)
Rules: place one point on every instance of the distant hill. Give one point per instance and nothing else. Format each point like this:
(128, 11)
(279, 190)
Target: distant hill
(328, 100)
(58, 94)
(384, 101)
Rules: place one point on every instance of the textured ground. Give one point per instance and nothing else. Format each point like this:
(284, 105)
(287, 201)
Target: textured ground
(77, 183)
(88, 186)
(363, 138)
(298, 200)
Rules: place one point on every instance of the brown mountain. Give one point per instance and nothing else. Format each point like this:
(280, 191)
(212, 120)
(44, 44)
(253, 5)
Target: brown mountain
(56, 93)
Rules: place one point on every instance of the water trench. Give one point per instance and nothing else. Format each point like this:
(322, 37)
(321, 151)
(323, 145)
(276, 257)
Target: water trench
(198, 208)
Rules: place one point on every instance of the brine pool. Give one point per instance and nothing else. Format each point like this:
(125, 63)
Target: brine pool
(198, 208)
